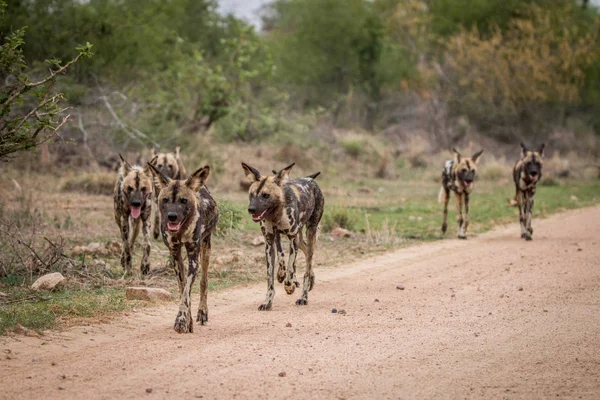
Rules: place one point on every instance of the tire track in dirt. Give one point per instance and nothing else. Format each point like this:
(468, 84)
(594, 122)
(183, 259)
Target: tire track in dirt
(490, 317)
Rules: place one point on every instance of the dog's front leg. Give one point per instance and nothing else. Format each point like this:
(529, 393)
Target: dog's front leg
(529, 214)
(145, 265)
(126, 252)
(184, 322)
(204, 261)
(281, 271)
(290, 277)
(523, 201)
(270, 255)
(459, 216)
(466, 204)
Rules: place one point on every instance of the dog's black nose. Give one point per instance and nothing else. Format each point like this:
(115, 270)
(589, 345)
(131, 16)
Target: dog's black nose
(136, 203)
(468, 180)
(172, 216)
(251, 210)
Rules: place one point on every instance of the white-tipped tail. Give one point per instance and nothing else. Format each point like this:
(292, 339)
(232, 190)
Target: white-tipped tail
(442, 195)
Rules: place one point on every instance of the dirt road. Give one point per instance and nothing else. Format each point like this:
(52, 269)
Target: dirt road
(490, 317)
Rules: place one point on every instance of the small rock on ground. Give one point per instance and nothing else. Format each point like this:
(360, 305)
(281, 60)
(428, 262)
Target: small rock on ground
(147, 294)
(334, 310)
(49, 281)
(282, 374)
(21, 330)
(400, 287)
(338, 232)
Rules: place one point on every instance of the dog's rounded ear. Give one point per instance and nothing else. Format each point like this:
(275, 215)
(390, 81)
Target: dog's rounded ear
(125, 166)
(524, 149)
(251, 173)
(457, 156)
(198, 178)
(541, 149)
(476, 156)
(160, 179)
(282, 176)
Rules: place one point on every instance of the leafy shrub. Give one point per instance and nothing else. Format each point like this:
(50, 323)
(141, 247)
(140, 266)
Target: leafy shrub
(342, 217)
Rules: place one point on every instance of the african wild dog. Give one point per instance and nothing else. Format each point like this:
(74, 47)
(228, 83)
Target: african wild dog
(284, 206)
(459, 176)
(526, 174)
(133, 208)
(188, 216)
(171, 165)
(280, 253)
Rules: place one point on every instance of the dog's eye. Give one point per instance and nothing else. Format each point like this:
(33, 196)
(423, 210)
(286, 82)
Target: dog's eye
(143, 190)
(159, 166)
(266, 195)
(184, 200)
(129, 189)
(170, 167)
(165, 200)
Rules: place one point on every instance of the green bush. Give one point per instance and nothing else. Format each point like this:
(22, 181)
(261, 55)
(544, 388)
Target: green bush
(342, 217)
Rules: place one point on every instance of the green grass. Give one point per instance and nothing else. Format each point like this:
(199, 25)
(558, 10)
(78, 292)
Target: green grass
(44, 310)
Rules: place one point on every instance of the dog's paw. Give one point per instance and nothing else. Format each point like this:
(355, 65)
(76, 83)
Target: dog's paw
(265, 307)
(202, 317)
(281, 273)
(290, 287)
(301, 302)
(462, 236)
(182, 323)
(444, 228)
(526, 236)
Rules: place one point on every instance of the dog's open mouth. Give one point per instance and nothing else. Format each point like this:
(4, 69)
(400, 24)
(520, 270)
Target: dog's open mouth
(173, 226)
(135, 212)
(533, 178)
(258, 217)
(468, 185)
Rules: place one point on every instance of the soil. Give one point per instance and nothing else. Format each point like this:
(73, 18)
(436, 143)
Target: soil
(490, 317)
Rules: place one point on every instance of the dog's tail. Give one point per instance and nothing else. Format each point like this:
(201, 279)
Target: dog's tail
(442, 195)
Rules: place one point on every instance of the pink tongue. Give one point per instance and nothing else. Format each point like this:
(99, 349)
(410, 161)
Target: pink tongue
(135, 212)
(172, 226)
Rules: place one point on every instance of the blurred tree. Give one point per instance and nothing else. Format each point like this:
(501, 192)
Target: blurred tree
(521, 77)
(30, 111)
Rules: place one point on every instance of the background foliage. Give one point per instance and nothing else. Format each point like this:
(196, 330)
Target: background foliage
(165, 71)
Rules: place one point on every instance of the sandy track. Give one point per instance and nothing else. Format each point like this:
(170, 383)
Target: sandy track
(491, 317)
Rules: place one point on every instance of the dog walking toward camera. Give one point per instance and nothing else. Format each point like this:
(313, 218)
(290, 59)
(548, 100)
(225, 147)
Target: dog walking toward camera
(458, 176)
(188, 216)
(170, 165)
(285, 206)
(526, 174)
(133, 207)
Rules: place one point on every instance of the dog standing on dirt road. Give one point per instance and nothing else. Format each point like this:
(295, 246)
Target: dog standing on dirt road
(458, 176)
(133, 207)
(170, 165)
(526, 174)
(285, 206)
(188, 216)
